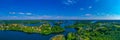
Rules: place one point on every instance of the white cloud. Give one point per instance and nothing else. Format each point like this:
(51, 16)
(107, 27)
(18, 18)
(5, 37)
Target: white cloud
(81, 8)
(105, 14)
(69, 2)
(88, 14)
(21, 13)
(12, 12)
(60, 17)
(46, 16)
(66, 3)
(14, 16)
(90, 7)
(28, 13)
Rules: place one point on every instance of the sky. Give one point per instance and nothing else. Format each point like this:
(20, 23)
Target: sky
(60, 9)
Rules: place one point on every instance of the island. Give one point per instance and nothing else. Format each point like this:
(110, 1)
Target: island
(45, 29)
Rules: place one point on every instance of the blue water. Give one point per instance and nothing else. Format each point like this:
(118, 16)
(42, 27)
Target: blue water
(14, 35)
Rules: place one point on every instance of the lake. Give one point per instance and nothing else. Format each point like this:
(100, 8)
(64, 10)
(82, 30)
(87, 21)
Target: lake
(14, 35)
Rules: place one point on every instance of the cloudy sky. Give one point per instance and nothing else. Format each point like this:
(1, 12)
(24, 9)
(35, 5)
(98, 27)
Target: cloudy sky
(59, 9)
